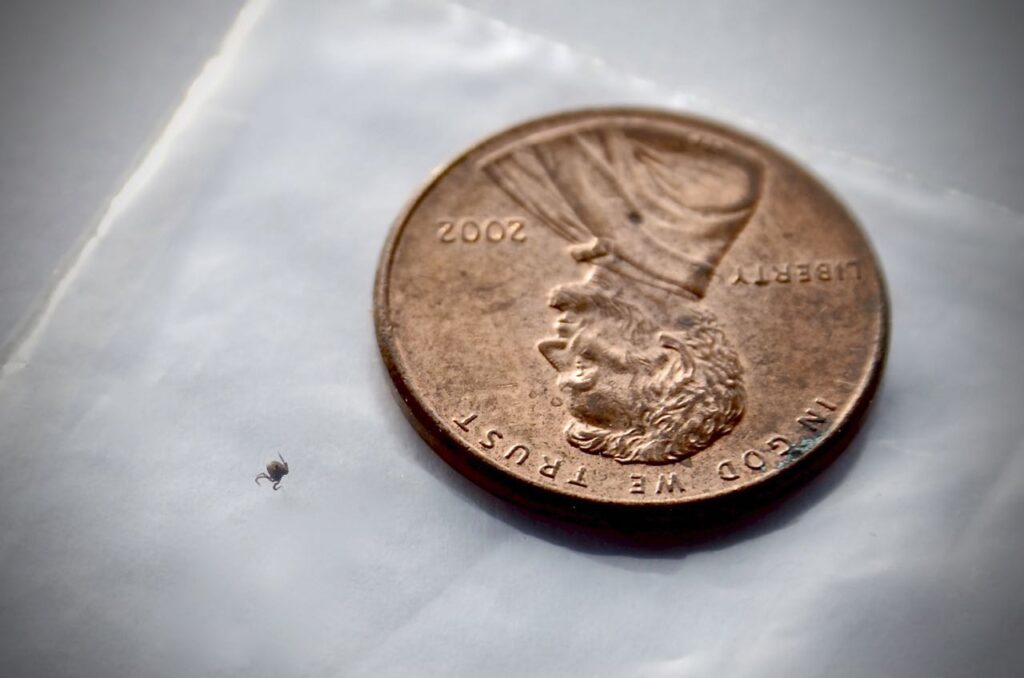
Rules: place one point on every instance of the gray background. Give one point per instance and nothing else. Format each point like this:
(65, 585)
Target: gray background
(218, 310)
(86, 86)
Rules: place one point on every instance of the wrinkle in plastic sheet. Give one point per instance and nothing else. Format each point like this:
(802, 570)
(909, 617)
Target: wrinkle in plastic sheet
(223, 314)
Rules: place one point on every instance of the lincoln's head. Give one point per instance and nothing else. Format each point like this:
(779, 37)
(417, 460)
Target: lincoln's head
(640, 390)
(651, 210)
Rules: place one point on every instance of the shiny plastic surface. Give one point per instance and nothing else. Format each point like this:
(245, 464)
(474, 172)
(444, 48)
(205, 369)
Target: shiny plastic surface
(222, 314)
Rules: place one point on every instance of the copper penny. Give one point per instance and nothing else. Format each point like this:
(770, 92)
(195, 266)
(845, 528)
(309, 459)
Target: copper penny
(630, 311)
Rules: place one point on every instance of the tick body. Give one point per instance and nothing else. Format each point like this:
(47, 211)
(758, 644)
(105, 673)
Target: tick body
(276, 471)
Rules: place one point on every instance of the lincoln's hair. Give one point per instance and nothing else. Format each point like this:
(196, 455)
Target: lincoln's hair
(689, 378)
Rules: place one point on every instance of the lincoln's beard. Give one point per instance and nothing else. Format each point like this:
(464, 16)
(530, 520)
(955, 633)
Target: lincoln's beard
(668, 429)
(676, 416)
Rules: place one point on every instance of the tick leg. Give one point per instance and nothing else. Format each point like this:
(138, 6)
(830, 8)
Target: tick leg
(277, 485)
(262, 475)
(282, 459)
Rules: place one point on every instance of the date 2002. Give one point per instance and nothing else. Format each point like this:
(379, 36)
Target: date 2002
(483, 231)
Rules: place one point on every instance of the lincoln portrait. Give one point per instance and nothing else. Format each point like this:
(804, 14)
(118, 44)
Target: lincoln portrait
(648, 374)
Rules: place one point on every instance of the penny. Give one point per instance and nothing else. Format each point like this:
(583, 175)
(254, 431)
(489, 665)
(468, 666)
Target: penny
(630, 312)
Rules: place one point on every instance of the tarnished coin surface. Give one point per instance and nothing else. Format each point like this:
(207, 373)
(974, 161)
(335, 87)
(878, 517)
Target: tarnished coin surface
(625, 310)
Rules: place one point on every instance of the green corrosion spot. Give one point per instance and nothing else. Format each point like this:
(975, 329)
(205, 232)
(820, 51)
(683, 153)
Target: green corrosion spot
(798, 450)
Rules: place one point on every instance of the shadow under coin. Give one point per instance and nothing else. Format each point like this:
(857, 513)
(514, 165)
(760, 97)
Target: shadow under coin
(753, 514)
